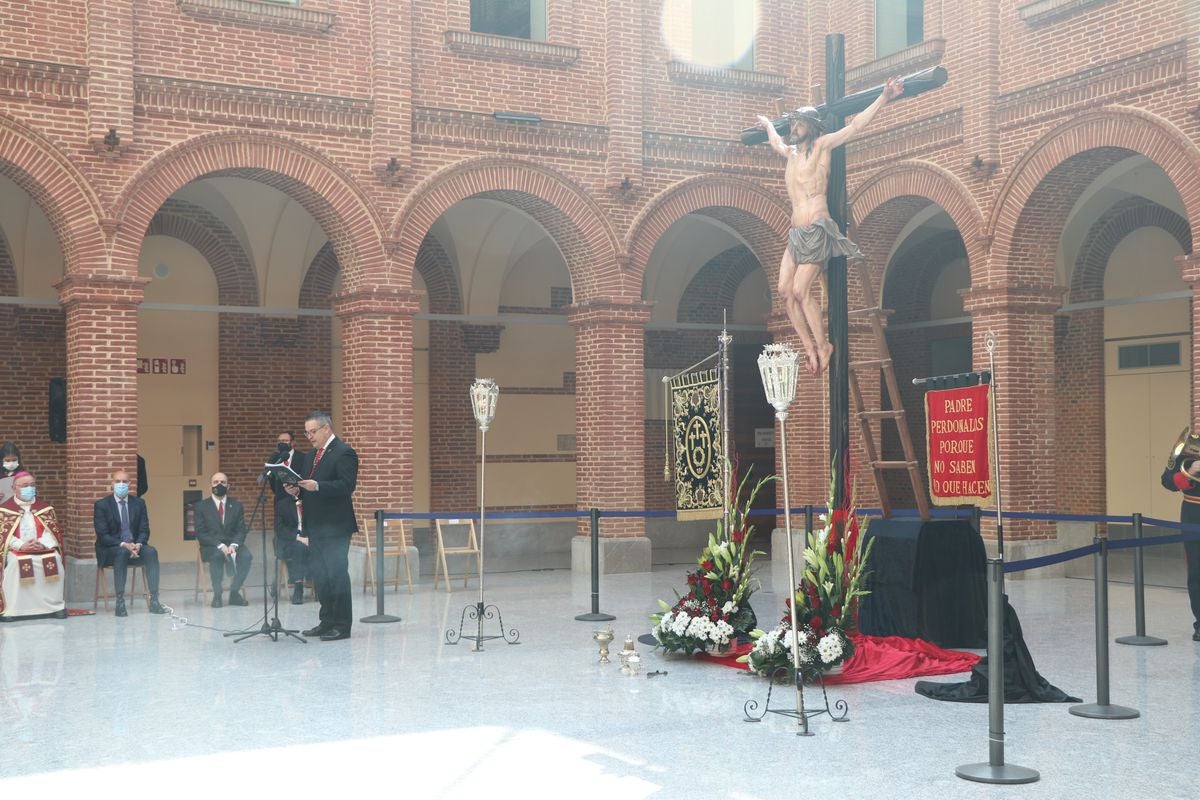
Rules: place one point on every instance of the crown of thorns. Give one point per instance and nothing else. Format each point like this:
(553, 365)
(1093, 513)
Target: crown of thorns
(808, 114)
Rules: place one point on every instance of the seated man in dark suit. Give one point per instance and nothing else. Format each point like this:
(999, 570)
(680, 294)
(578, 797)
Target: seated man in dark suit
(221, 532)
(123, 538)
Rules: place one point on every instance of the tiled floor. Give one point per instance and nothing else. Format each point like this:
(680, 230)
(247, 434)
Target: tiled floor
(141, 702)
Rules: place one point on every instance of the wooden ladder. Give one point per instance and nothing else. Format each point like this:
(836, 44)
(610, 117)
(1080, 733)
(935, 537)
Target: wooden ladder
(874, 314)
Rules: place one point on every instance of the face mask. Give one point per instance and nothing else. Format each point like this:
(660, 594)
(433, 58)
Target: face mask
(220, 489)
(11, 465)
(120, 490)
(28, 493)
(284, 447)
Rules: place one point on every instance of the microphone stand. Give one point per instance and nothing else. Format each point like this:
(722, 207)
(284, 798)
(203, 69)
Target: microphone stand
(274, 627)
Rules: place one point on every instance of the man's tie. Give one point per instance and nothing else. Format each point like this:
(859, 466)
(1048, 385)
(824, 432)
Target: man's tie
(221, 509)
(316, 460)
(126, 534)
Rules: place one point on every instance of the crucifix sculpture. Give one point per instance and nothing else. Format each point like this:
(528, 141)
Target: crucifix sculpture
(831, 246)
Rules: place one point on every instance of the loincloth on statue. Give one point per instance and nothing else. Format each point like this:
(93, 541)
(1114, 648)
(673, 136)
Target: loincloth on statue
(819, 242)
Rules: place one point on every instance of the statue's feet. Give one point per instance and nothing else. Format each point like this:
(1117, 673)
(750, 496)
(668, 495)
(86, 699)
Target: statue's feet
(824, 354)
(812, 364)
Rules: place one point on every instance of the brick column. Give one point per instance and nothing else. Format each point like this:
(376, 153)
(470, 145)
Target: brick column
(1189, 268)
(454, 434)
(609, 431)
(102, 401)
(1022, 319)
(377, 394)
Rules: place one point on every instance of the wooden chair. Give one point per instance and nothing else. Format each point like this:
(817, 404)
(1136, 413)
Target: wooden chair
(470, 548)
(395, 544)
(203, 584)
(102, 585)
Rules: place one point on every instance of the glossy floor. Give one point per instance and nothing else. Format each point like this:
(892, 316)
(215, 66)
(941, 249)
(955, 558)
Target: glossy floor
(127, 704)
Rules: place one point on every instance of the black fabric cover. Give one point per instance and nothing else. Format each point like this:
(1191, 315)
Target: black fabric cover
(928, 580)
(1022, 683)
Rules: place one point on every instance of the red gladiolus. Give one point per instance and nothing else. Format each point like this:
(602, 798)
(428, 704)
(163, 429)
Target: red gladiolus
(815, 623)
(837, 611)
(691, 579)
(726, 585)
(707, 566)
(738, 537)
(713, 616)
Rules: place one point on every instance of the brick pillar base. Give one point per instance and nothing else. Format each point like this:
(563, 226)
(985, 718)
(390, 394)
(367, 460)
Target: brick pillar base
(609, 428)
(102, 410)
(1022, 319)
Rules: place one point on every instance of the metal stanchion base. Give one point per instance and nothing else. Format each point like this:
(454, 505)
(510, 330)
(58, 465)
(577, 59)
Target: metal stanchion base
(838, 712)
(599, 617)
(997, 773)
(1141, 641)
(1104, 711)
(379, 618)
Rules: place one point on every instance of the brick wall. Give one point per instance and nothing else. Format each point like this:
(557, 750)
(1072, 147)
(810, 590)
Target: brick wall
(316, 101)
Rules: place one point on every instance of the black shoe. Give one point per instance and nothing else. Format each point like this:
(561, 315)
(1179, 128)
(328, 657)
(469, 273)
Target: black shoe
(60, 614)
(217, 600)
(121, 612)
(334, 634)
(156, 607)
(319, 630)
(1196, 636)
(298, 595)
(237, 599)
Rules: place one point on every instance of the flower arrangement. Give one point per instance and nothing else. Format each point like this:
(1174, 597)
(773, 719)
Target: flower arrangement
(826, 602)
(716, 610)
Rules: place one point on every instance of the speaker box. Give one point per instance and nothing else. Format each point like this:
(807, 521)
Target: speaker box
(58, 410)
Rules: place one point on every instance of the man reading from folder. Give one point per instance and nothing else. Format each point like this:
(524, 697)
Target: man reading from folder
(327, 519)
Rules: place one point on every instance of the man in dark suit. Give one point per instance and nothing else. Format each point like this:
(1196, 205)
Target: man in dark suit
(288, 544)
(122, 538)
(327, 522)
(221, 532)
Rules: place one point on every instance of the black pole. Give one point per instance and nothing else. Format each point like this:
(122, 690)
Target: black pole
(1139, 637)
(379, 616)
(1102, 708)
(836, 282)
(595, 615)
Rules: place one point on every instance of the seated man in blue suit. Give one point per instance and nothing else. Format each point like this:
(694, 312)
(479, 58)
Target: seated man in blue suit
(221, 532)
(122, 538)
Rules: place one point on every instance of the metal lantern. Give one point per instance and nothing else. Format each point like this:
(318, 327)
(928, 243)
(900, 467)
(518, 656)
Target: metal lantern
(778, 366)
(484, 392)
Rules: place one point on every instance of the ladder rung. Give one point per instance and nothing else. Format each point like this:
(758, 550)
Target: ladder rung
(876, 363)
(864, 312)
(892, 414)
(893, 464)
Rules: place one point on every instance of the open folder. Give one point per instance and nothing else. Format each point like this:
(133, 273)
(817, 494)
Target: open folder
(283, 473)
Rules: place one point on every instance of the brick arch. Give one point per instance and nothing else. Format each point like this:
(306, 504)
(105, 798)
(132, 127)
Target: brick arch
(759, 216)
(1079, 350)
(440, 276)
(8, 269)
(323, 188)
(715, 285)
(1057, 166)
(319, 279)
(914, 271)
(58, 187)
(191, 224)
(1087, 279)
(917, 178)
(572, 219)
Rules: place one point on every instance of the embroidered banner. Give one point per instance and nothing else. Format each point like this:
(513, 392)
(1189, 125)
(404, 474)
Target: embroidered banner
(958, 445)
(696, 424)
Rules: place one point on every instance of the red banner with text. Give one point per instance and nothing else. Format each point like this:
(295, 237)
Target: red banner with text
(958, 445)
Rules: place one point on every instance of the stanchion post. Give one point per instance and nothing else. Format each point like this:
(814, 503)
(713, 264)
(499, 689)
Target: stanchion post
(995, 770)
(1102, 708)
(379, 616)
(1139, 595)
(595, 615)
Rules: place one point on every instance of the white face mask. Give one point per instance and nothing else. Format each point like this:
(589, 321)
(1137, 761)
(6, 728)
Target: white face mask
(11, 465)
